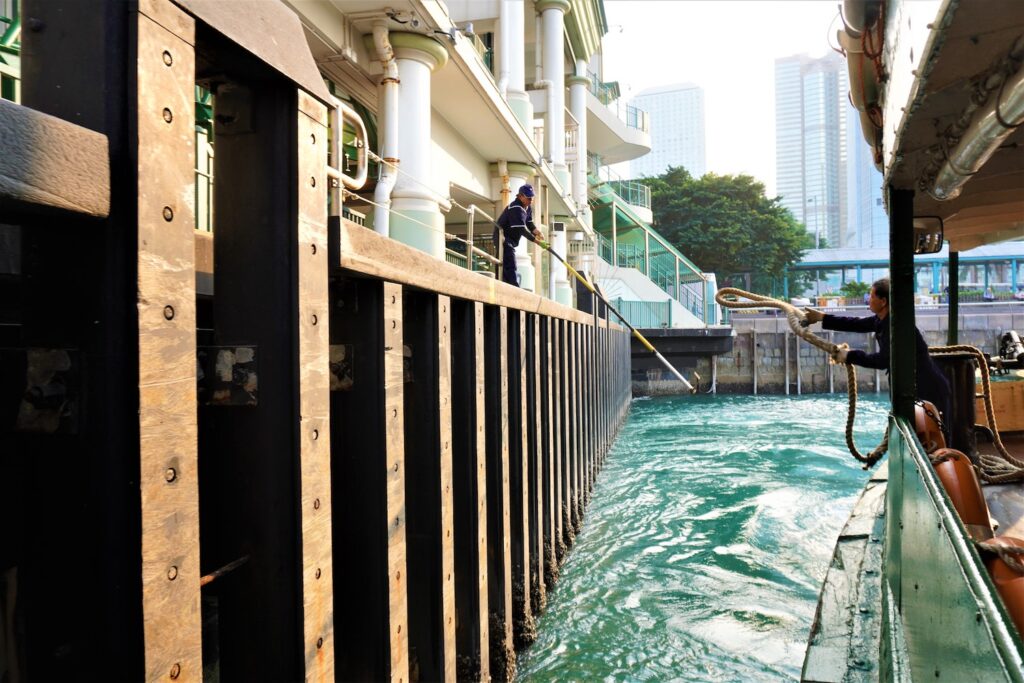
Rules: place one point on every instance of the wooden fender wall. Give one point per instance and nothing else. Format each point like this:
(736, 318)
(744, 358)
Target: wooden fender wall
(335, 458)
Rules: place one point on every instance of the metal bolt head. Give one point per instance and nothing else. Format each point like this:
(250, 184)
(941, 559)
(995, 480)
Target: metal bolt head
(168, 214)
(175, 670)
(170, 474)
(168, 59)
(319, 643)
(172, 573)
(168, 116)
(169, 312)
(318, 572)
(316, 504)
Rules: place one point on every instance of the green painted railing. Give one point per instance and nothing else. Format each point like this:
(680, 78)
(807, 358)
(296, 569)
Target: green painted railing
(635, 193)
(646, 314)
(455, 258)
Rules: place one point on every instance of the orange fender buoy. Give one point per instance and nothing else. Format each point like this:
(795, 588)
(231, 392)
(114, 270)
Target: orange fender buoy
(957, 475)
(1009, 582)
(928, 426)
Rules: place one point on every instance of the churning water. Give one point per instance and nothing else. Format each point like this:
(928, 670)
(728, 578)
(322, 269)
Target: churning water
(707, 538)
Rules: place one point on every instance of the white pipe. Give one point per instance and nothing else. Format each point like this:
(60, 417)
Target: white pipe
(387, 93)
(984, 135)
(504, 44)
(538, 34)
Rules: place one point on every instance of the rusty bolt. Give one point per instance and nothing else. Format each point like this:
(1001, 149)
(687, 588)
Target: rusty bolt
(318, 572)
(394, 324)
(314, 318)
(316, 434)
(169, 312)
(319, 643)
(396, 467)
(312, 138)
(172, 573)
(312, 181)
(314, 248)
(398, 575)
(170, 474)
(316, 504)
(398, 521)
(168, 60)
(399, 628)
(394, 412)
(168, 116)
(392, 299)
(168, 214)
(176, 669)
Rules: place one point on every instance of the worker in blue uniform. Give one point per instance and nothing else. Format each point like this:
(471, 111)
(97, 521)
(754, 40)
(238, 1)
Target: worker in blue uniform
(515, 222)
(932, 384)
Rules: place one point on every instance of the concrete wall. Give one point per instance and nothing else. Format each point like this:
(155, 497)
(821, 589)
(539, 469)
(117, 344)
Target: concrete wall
(761, 345)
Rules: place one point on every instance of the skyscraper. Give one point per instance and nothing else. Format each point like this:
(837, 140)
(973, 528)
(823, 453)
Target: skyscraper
(677, 130)
(810, 143)
(867, 224)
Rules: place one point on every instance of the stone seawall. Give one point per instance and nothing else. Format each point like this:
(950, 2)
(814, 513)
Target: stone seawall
(767, 357)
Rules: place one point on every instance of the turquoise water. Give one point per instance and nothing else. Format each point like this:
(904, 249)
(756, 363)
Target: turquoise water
(708, 535)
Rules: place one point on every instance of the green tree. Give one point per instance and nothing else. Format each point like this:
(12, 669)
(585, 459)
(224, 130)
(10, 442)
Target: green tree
(726, 225)
(855, 290)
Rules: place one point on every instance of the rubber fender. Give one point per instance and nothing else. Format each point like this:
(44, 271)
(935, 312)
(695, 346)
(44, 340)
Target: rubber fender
(928, 426)
(957, 475)
(1009, 583)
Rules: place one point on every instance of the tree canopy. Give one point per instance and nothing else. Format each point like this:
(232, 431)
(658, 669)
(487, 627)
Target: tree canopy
(726, 225)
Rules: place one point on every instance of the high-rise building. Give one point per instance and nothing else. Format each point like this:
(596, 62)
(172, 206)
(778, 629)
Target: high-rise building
(810, 143)
(677, 130)
(867, 224)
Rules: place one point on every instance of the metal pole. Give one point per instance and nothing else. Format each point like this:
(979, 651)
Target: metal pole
(469, 236)
(753, 357)
(878, 373)
(786, 347)
(902, 360)
(953, 325)
(798, 386)
(831, 374)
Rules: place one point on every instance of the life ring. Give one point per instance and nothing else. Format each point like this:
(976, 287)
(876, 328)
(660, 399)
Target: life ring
(956, 473)
(928, 425)
(1008, 581)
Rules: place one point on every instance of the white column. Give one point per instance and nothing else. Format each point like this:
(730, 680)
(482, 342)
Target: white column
(518, 175)
(420, 224)
(578, 86)
(553, 18)
(513, 61)
(559, 273)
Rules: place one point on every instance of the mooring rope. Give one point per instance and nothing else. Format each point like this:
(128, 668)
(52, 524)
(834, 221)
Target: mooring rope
(797, 320)
(993, 469)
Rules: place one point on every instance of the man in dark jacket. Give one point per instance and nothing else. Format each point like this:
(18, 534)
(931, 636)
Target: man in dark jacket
(931, 383)
(515, 221)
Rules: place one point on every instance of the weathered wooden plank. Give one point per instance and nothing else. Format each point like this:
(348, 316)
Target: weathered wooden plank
(364, 251)
(168, 428)
(538, 597)
(550, 515)
(47, 163)
(395, 459)
(498, 523)
(444, 399)
(481, 483)
(314, 393)
(558, 441)
(524, 629)
(574, 432)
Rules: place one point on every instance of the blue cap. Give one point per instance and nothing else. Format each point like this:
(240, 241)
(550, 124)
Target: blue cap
(526, 190)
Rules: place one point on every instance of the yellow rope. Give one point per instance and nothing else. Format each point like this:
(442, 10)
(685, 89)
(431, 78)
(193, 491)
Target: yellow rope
(797, 319)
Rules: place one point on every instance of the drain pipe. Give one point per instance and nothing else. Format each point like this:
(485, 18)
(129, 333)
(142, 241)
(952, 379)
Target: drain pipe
(504, 38)
(387, 94)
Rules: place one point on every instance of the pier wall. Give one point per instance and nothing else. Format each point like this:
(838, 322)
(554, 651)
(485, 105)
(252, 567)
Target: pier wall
(767, 357)
(291, 449)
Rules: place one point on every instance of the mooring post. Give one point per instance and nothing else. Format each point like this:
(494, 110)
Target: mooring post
(753, 357)
(785, 345)
(830, 366)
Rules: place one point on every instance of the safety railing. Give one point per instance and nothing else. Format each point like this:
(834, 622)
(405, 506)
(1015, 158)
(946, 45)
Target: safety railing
(10, 50)
(455, 258)
(608, 95)
(646, 314)
(635, 193)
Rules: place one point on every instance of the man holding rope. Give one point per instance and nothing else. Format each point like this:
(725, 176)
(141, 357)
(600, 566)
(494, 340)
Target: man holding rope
(931, 383)
(516, 221)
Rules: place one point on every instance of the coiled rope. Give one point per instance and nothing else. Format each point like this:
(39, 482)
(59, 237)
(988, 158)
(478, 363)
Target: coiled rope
(796, 319)
(993, 469)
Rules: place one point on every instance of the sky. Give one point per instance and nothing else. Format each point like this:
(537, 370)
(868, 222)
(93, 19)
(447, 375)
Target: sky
(728, 47)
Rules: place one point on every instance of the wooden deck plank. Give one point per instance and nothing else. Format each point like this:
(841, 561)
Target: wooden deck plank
(444, 399)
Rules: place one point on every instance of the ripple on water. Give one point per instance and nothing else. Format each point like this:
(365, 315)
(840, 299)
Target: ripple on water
(706, 540)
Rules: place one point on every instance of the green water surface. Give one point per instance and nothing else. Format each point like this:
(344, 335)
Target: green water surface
(706, 541)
